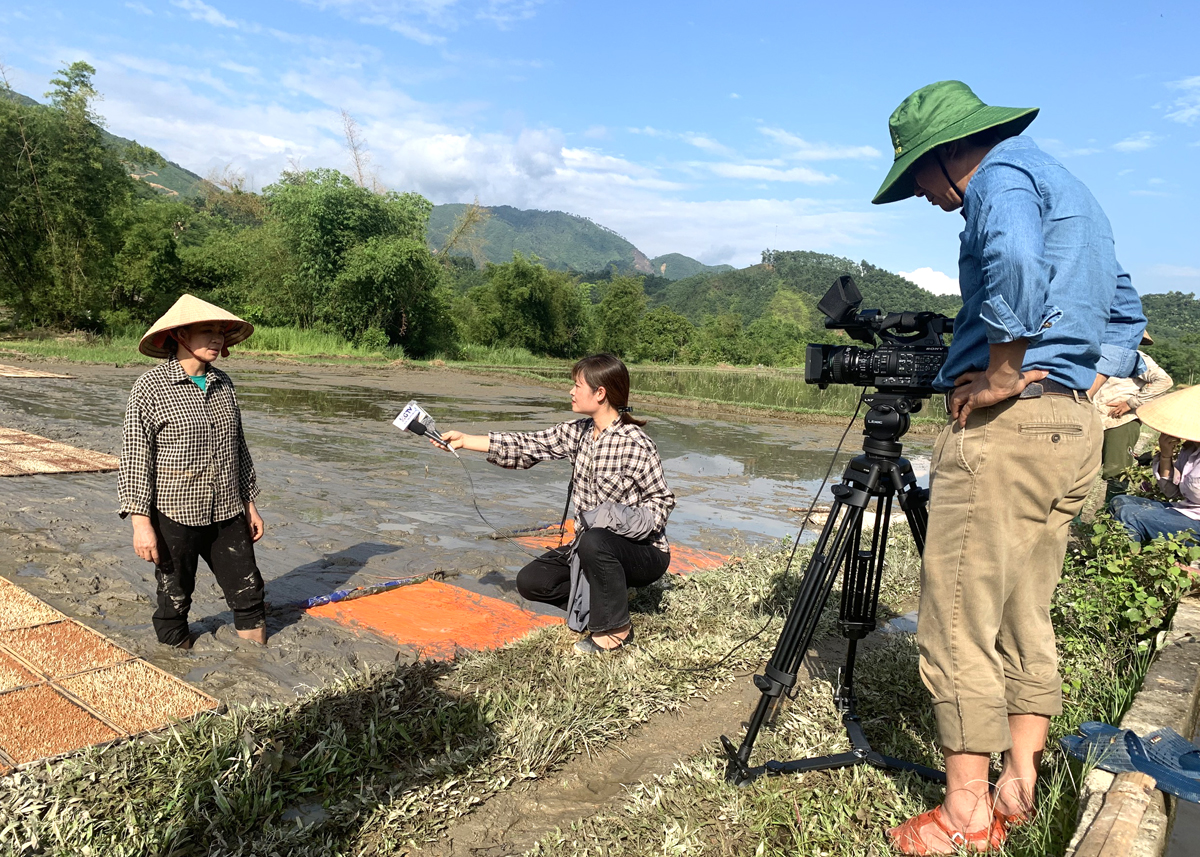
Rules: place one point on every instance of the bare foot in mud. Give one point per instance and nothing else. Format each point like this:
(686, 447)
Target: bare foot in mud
(254, 635)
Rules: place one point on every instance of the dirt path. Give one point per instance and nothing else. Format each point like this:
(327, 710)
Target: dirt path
(513, 822)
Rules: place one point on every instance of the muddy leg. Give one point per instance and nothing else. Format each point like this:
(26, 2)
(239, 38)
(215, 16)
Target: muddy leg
(231, 558)
(175, 575)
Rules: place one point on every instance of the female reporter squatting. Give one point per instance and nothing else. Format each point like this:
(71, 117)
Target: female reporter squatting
(621, 501)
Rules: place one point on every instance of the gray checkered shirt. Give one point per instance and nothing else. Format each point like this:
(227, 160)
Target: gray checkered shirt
(620, 466)
(183, 451)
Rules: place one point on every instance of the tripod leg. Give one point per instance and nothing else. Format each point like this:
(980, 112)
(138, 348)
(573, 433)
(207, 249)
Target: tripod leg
(839, 535)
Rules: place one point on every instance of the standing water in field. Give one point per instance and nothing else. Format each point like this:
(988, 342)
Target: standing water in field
(349, 500)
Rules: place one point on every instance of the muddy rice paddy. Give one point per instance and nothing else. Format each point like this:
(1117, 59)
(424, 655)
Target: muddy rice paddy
(351, 501)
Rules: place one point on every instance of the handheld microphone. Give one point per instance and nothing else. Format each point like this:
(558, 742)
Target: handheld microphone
(415, 419)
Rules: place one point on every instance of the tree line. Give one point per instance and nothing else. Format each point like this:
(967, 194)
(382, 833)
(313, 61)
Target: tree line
(83, 245)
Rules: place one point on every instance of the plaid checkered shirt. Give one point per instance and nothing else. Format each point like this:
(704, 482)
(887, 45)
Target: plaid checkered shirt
(183, 451)
(620, 466)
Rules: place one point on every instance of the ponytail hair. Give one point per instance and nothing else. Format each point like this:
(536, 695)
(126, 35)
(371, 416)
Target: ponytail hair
(607, 371)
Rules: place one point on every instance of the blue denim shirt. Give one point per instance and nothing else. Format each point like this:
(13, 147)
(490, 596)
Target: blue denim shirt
(1036, 260)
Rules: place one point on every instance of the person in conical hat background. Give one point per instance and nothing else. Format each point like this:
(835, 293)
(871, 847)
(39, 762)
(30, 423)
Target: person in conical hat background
(186, 477)
(1176, 416)
(1118, 400)
(1048, 314)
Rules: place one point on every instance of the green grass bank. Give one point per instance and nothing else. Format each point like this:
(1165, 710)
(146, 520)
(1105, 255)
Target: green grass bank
(386, 763)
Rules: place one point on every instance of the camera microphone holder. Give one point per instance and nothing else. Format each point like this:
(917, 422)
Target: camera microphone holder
(877, 476)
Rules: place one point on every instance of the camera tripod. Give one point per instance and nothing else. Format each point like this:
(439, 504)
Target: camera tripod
(878, 475)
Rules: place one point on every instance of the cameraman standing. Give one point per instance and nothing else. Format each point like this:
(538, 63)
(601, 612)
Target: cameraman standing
(1047, 314)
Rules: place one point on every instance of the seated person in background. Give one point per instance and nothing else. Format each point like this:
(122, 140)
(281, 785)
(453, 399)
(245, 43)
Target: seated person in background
(1118, 401)
(1177, 417)
(621, 502)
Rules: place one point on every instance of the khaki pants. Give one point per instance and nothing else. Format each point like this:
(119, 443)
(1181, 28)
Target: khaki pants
(1002, 494)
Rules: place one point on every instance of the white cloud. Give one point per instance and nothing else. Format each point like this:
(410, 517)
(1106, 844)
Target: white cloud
(755, 172)
(1159, 193)
(706, 144)
(1175, 271)
(201, 11)
(1137, 142)
(229, 65)
(1061, 150)
(802, 150)
(932, 281)
(140, 8)
(734, 95)
(1186, 108)
(404, 28)
(293, 118)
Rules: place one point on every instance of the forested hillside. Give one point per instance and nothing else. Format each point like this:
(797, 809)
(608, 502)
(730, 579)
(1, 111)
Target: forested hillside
(142, 163)
(559, 240)
(85, 246)
(676, 266)
(1174, 323)
(794, 279)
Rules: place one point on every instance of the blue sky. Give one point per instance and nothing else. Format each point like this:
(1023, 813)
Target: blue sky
(710, 129)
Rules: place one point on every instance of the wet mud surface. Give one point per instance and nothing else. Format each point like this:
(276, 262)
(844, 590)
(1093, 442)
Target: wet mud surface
(349, 500)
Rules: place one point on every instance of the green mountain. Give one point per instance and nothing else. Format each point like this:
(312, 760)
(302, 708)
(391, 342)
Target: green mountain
(676, 266)
(167, 178)
(1173, 319)
(559, 240)
(788, 280)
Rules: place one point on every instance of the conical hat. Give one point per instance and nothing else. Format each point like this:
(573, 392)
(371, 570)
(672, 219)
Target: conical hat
(1176, 414)
(191, 310)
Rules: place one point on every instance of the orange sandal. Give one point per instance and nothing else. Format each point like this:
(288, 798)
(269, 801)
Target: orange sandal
(909, 837)
(1016, 819)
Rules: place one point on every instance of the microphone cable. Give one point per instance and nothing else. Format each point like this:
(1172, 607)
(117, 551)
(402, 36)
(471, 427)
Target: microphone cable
(475, 502)
(787, 569)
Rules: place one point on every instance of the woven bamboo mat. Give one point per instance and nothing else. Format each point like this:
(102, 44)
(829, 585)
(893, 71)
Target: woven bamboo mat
(24, 454)
(64, 687)
(18, 372)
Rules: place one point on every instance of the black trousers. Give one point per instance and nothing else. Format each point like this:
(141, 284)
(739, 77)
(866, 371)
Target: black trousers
(228, 550)
(610, 563)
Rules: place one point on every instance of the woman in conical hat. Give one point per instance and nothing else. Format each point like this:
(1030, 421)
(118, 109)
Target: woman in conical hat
(186, 476)
(1176, 416)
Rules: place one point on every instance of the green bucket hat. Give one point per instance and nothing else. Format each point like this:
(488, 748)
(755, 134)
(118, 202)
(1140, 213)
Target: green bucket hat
(936, 114)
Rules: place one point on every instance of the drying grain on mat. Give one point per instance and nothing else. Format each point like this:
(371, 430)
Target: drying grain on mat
(62, 649)
(19, 609)
(137, 697)
(12, 674)
(38, 722)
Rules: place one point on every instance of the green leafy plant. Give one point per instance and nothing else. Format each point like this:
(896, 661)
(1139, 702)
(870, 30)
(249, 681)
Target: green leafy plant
(1113, 586)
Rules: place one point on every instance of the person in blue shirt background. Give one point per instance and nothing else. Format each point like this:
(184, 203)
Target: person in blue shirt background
(1048, 314)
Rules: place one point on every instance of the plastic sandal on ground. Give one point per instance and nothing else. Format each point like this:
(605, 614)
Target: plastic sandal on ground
(588, 646)
(1169, 778)
(1170, 749)
(1102, 745)
(909, 837)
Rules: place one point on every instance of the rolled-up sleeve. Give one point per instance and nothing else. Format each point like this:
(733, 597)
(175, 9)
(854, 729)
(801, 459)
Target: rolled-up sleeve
(135, 476)
(1016, 273)
(522, 450)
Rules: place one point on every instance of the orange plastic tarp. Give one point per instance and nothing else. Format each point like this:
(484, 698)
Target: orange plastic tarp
(436, 618)
(684, 560)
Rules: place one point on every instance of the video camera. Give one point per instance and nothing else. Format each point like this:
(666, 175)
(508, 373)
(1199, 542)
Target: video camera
(910, 356)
